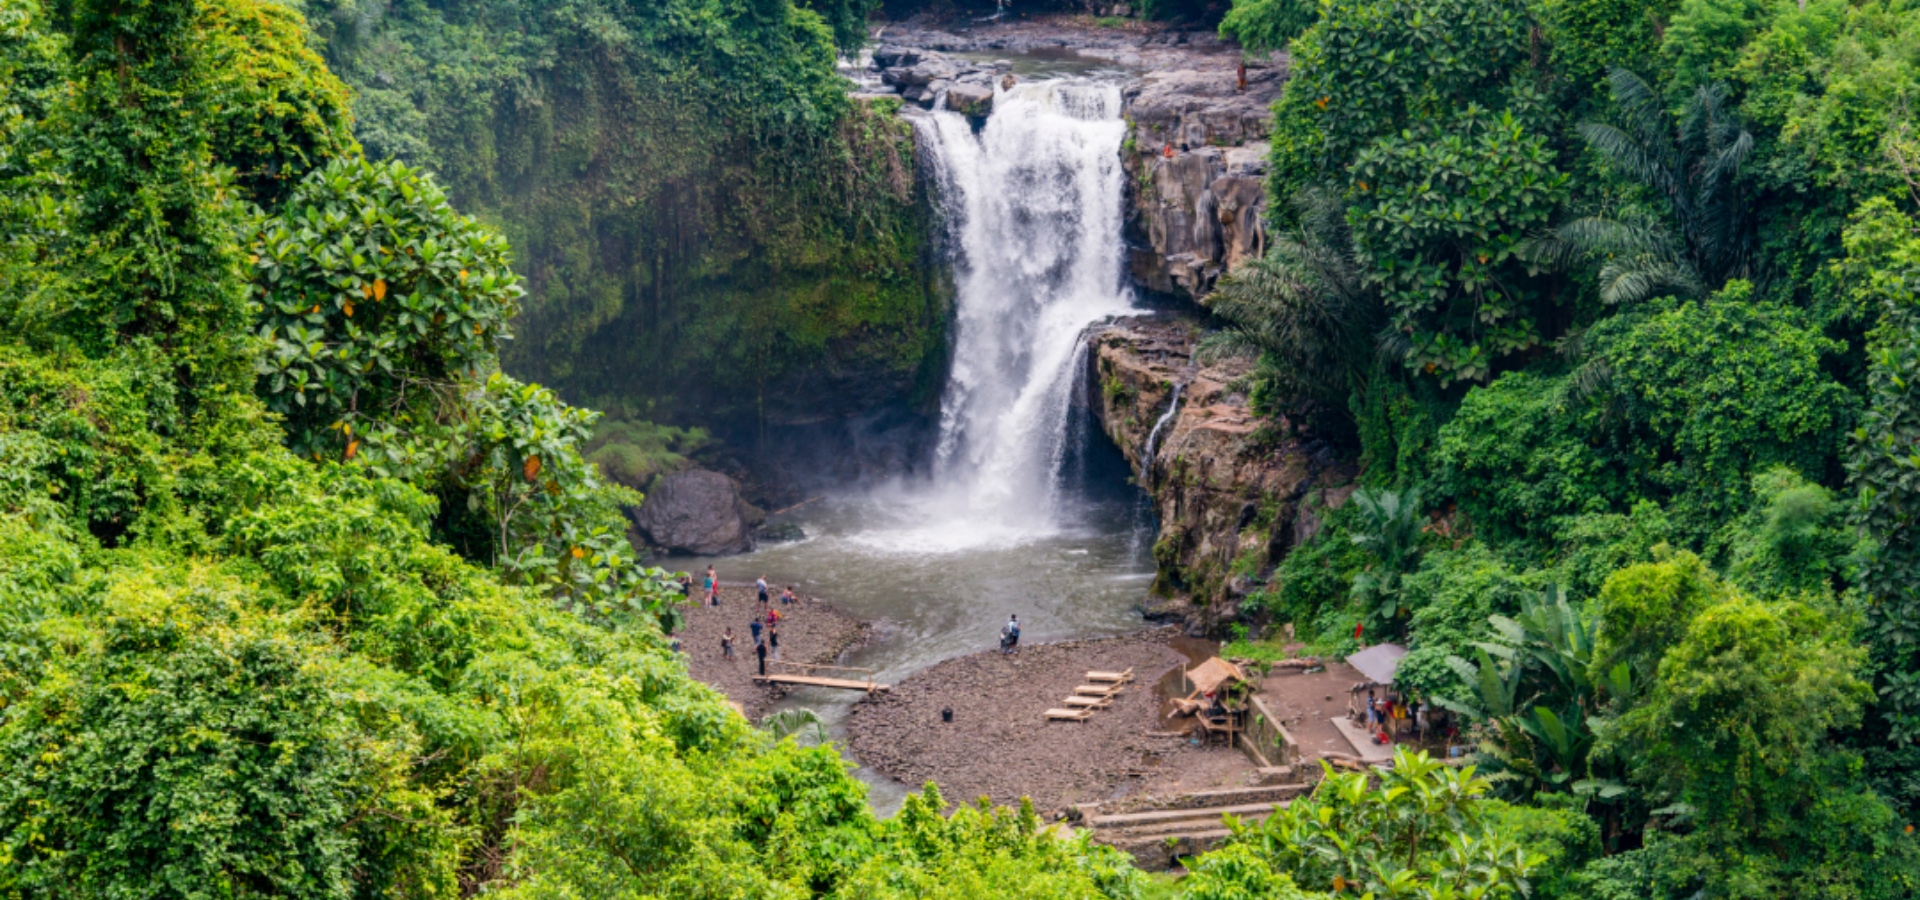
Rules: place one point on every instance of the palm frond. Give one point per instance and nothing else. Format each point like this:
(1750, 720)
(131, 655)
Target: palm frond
(1229, 343)
(1629, 155)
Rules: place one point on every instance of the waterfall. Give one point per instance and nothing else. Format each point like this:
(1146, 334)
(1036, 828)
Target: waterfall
(1032, 209)
(1153, 437)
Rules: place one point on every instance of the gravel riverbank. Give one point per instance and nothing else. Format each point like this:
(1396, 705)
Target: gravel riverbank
(999, 746)
(811, 631)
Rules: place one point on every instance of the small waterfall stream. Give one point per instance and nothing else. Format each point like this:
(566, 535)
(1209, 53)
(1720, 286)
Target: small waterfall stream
(1153, 437)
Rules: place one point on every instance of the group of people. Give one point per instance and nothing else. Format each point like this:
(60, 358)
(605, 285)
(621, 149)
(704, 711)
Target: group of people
(765, 626)
(710, 591)
(1390, 715)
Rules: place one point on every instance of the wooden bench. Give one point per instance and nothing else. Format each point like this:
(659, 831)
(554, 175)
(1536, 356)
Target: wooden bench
(1069, 715)
(1089, 702)
(1098, 690)
(1111, 677)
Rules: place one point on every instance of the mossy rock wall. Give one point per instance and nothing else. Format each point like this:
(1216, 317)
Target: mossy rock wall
(711, 231)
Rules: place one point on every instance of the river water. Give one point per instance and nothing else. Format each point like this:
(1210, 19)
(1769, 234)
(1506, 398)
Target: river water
(1027, 511)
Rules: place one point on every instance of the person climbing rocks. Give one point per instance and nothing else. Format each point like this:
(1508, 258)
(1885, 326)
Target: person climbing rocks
(762, 585)
(726, 644)
(760, 650)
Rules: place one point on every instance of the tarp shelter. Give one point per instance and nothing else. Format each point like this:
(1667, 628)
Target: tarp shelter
(1379, 662)
(1210, 675)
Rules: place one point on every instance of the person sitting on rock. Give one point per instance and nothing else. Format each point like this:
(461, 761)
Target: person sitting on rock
(1010, 635)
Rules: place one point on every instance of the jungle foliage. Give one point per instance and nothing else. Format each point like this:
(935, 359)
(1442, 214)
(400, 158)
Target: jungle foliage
(300, 596)
(1618, 297)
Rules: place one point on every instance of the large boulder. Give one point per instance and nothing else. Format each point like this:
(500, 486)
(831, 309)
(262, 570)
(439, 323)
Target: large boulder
(972, 100)
(696, 512)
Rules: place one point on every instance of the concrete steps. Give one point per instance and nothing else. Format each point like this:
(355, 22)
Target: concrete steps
(1157, 831)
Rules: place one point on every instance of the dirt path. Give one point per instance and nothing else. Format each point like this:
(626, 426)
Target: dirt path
(999, 746)
(811, 631)
(1305, 704)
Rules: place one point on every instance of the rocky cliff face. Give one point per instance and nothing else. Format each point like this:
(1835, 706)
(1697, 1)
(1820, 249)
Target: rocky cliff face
(1198, 157)
(1233, 491)
(1197, 154)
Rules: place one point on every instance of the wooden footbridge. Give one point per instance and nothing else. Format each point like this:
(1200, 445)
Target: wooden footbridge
(806, 675)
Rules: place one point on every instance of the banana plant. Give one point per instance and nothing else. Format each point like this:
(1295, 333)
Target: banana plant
(1565, 738)
(1554, 634)
(1388, 528)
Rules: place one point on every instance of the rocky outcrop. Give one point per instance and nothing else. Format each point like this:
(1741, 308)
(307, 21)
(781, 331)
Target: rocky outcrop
(925, 76)
(697, 512)
(1233, 491)
(1198, 157)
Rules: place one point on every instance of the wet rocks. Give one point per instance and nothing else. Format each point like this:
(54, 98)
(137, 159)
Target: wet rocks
(970, 100)
(698, 512)
(1233, 490)
(925, 76)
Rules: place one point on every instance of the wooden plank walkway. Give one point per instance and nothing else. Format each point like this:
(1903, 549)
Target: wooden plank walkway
(802, 674)
(818, 681)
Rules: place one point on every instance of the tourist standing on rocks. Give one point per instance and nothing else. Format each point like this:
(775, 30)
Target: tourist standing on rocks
(713, 587)
(755, 626)
(760, 650)
(1010, 635)
(726, 644)
(762, 584)
(773, 639)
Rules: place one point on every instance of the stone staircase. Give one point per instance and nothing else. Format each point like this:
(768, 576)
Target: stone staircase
(1159, 831)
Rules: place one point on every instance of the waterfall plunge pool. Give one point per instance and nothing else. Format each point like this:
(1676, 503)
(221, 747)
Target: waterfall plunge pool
(1028, 510)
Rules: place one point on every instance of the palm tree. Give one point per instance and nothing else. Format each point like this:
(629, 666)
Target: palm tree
(1302, 307)
(1693, 164)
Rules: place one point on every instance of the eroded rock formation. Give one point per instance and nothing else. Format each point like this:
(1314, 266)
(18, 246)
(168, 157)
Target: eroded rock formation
(1198, 157)
(1233, 491)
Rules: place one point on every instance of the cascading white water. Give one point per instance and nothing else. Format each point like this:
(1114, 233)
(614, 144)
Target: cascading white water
(1033, 203)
